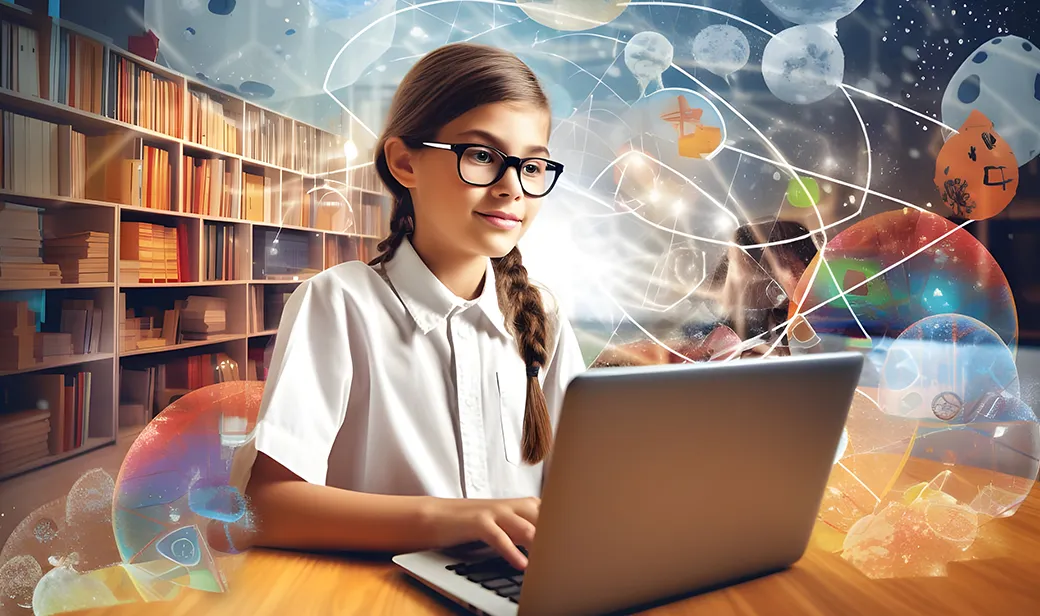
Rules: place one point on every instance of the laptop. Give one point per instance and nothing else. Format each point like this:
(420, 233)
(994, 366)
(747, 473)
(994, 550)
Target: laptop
(666, 481)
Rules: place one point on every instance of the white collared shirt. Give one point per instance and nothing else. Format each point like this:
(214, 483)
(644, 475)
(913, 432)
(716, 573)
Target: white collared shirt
(394, 385)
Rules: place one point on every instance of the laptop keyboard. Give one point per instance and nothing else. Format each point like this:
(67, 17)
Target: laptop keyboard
(494, 574)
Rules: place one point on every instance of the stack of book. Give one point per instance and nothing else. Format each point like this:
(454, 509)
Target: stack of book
(50, 415)
(81, 257)
(160, 251)
(17, 336)
(20, 242)
(63, 400)
(129, 272)
(24, 437)
(203, 317)
(137, 333)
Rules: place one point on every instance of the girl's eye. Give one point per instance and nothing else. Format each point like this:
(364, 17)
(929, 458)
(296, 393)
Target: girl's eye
(534, 168)
(482, 156)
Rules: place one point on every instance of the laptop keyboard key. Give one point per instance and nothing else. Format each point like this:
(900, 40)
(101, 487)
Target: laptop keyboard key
(497, 583)
(509, 591)
(484, 576)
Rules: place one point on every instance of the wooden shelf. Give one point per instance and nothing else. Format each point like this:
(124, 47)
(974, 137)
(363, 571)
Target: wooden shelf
(89, 444)
(287, 194)
(98, 124)
(190, 148)
(182, 285)
(11, 6)
(35, 285)
(155, 212)
(194, 344)
(60, 362)
(296, 281)
(52, 201)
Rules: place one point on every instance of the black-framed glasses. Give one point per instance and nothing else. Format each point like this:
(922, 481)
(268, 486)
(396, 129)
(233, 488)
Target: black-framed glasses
(484, 165)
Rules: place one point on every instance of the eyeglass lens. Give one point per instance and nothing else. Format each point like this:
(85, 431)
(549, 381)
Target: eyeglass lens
(481, 166)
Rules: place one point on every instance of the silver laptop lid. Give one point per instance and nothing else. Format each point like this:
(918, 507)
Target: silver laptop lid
(671, 479)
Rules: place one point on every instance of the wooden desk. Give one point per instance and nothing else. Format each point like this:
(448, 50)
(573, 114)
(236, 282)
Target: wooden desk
(1003, 577)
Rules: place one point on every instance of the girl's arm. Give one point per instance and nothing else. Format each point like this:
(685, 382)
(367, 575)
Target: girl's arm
(292, 513)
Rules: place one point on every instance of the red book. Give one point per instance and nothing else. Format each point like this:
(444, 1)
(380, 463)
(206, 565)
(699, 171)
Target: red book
(145, 45)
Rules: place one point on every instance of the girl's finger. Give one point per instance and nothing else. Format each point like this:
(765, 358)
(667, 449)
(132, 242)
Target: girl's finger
(499, 540)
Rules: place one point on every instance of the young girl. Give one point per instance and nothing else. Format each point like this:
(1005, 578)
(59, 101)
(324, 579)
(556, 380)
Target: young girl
(412, 401)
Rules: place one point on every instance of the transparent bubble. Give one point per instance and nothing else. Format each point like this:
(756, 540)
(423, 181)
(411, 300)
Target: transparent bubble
(572, 15)
(812, 11)
(803, 65)
(18, 578)
(721, 49)
(648, 55)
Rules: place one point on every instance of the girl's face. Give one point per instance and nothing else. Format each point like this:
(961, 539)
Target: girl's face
(453, 215)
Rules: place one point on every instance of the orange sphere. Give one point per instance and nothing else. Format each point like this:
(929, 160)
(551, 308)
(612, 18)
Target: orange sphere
(976, 172)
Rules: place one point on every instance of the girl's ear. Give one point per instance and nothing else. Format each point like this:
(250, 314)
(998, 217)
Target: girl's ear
(399, 159)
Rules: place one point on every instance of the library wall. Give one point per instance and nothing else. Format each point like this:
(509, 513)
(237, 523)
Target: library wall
(152, 227)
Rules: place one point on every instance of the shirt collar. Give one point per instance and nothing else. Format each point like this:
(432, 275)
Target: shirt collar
(426, 298)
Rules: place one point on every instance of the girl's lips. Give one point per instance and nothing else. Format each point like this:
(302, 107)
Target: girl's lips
(500, 220)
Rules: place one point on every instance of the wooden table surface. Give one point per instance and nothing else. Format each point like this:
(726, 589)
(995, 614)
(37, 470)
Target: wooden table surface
(1001, 577)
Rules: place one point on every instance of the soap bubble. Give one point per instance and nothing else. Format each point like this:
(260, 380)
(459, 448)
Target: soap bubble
(722, 50)
(572, 15)
(943, 365)
(18, 577)
(803, 65)
(812, 11)
(648, 55)
(62, 590)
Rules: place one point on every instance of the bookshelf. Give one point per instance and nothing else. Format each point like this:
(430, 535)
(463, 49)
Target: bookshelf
(173, 219)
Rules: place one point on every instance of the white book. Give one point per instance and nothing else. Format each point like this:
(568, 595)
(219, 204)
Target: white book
(28, 63)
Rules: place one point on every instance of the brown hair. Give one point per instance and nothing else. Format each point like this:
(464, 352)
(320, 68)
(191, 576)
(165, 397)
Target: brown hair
(442, 86)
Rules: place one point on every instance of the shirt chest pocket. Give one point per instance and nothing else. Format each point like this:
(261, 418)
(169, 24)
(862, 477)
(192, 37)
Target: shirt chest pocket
(512, 396)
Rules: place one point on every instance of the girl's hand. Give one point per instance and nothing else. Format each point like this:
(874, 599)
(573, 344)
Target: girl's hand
(501, 523)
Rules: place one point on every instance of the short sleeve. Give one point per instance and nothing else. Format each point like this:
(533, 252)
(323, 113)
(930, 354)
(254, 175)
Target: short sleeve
(308, 384)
